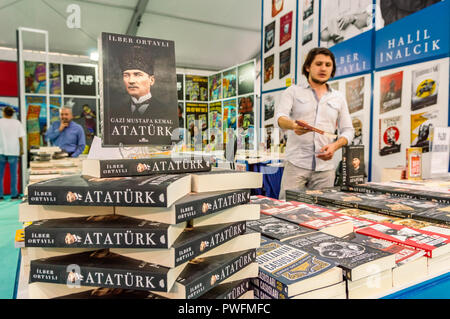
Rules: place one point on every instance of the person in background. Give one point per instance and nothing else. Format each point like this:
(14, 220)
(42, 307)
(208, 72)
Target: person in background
(11, 147)
(67, 134)
(308, 154)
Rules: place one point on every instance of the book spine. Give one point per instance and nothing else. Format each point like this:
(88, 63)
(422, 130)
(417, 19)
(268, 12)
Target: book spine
(231, 293)
(216, 276)
(345, 177)
(150, 166)
(92, 276)
(430, 219)
(126, 237)
(206, 206)
(207, 242)
(268, 289)
(78, 196)
(259, 294)
(385, 211)
(274, 283)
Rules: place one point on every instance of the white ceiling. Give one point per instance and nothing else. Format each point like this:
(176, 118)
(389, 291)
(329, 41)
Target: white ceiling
(208, 34)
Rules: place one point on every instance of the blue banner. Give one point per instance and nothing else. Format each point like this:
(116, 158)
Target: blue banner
(354, 56)
(422, 35)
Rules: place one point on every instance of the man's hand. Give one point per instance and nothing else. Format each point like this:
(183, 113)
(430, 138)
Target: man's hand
(326, 153)
(300, 130)
(62, 126)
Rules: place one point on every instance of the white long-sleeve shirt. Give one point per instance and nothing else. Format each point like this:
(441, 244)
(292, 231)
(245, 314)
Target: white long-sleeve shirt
(328, 114)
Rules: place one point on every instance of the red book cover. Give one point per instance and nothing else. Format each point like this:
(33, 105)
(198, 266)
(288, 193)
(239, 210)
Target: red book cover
(285, 28)
(433, 244)
(8, 78)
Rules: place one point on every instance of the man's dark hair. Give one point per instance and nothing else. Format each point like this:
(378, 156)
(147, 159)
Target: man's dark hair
(310, 58)
(9, 111)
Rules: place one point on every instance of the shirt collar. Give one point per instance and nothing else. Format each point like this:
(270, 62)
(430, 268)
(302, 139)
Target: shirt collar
(141, 99)
(308, 86)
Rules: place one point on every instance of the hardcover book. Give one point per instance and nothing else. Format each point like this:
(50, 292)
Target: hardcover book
(278, 229)
(138, 90)
(353, 168)
(292, 271)
(433, 244)
(222, 180)
(105, 231)
(357, 260)
(204, 274)
(160, 190)
(144, 166)
(191, 243)
(193, 206)
(102, 268)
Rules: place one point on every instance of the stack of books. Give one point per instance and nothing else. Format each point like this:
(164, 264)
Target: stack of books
(159, 228)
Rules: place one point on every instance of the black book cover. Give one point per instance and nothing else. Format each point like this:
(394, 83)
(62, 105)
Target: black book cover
(112, 293)
(309, 196)
(203, 274)
(145, 166)
(138, 90)
(76, 190)
(353, 168)
(438, 215)
(196, 205)
(277, 229)
(106, 231)
(346, 254)
(198, 240)
(231, 290)
(100, 268)
(269, 290)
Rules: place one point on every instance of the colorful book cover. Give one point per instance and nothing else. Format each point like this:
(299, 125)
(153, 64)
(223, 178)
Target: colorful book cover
(229, 118)
(391, 92)
(277, 7)
(421, 129)
(196, 88)
(269, 68)
(215, 126)
(269, 35)
(285, 63)
(215, 87)
(390, 135)
(246, 123)
(425, 87)
(229, 83)
(285, 28)
(196, 124)
(354, 91)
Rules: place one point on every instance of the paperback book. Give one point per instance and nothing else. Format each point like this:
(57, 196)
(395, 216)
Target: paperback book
(222, 180)
(353, 168)
(277, 229)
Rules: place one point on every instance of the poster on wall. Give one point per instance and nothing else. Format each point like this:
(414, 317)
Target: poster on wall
(139, 90)
(35, 77)
(33, 127)
(269, 36)
(215, 87)
(390, 135)
(277, 7)
(421, 129)
(425, 87)
(246, 123)
(196, 88)
(229, 83)
(357, 122)
(79, 80)
(196, 125)
(307, 31)
(285, 28)
(391, 92)
(180, 88)
(391, 11)
(354, 92)
(308, 8)
(343, 20)
(269, 106)
(285, 63)
(84, 113)
(246, 78)
(229, 118)
(269, 68)
(215, 127)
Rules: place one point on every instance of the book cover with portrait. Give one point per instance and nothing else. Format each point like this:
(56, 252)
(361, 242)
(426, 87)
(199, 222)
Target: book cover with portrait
(269, 68)
(391, 92)
(421, 129)
(354, 92)
(425, 87)
(285, 63)
(390, 135)
(138, 90)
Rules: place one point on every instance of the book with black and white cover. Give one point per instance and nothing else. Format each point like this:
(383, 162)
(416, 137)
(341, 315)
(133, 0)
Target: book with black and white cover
(425, 87)
(137, 112)
(104, 231)
(111, 293)
(353, 167)
(144, 166)
(390, 141)
(232, 290)
(79, 190)
(204, 274)
(277, 229)
(269, 36)
(223, 179)
(191, 243)
(194, 206)
(292, 271)
(105, 269)
(357, 260)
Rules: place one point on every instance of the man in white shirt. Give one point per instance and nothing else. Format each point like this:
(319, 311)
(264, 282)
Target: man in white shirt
(11, 147)
(308, 154)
